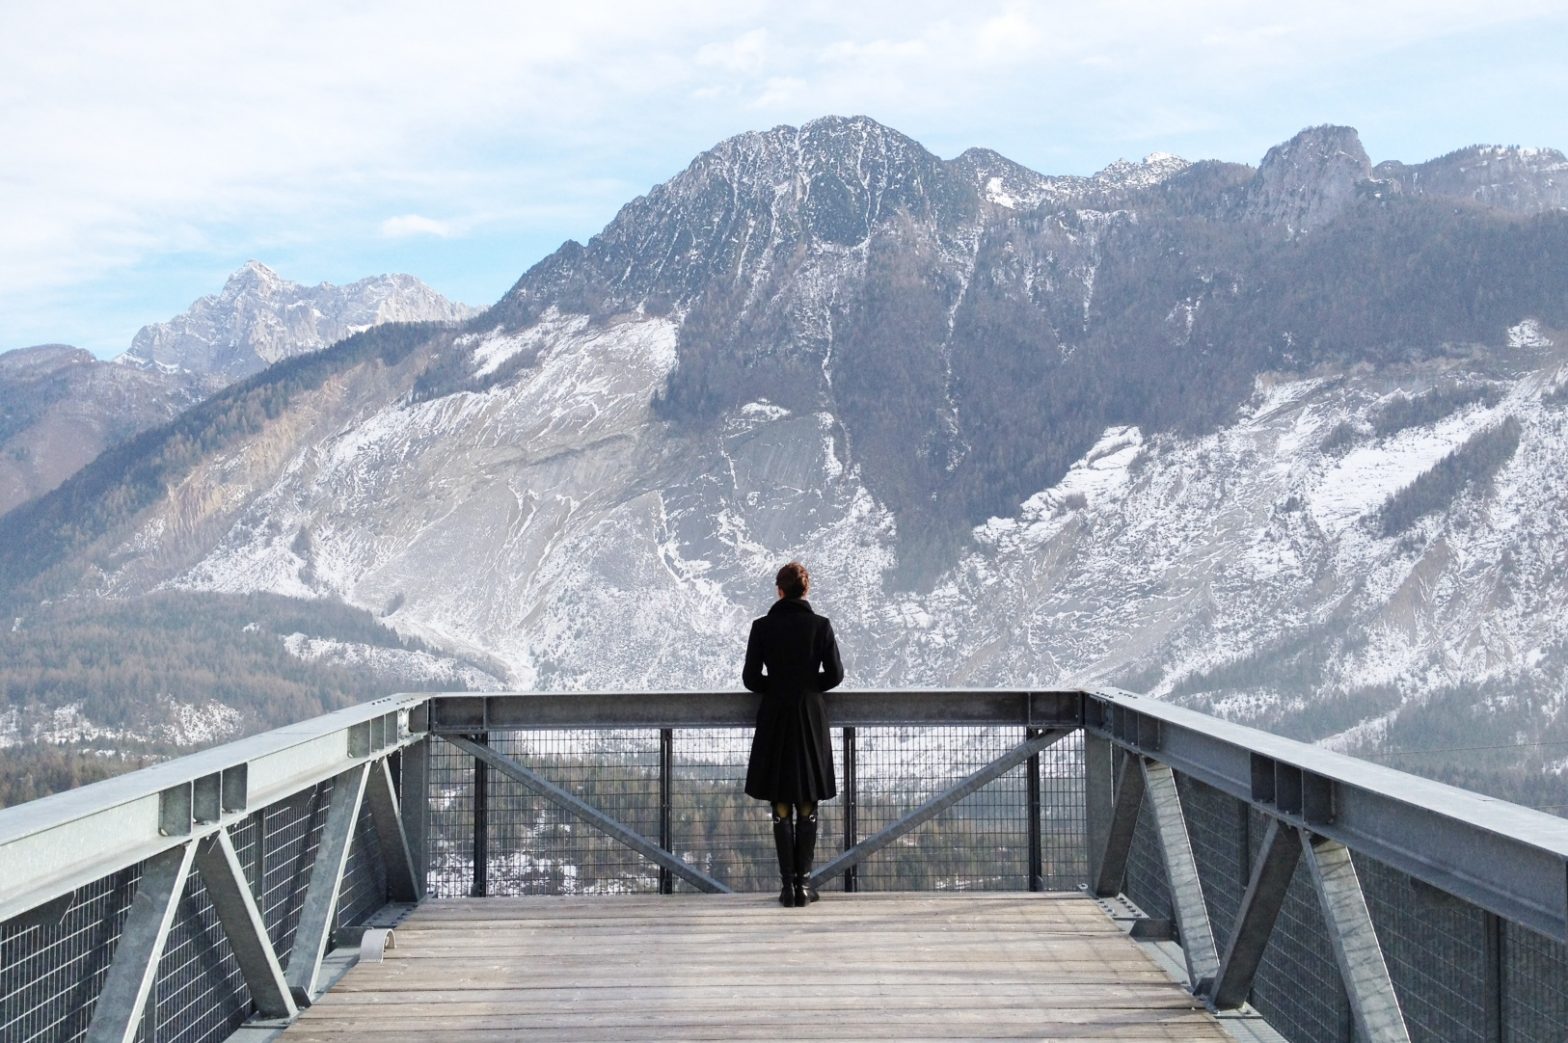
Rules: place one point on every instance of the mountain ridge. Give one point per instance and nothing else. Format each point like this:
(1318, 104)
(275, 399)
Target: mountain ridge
(61, 407)
(1137, 432)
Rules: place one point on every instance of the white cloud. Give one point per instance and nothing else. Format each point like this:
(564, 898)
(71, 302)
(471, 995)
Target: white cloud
(407, 225)
(745, 53)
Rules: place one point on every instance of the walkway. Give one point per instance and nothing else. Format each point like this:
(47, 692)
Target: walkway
(737, 967)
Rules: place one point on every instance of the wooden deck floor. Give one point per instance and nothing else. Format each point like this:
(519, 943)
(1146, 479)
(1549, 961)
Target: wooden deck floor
(738, 967)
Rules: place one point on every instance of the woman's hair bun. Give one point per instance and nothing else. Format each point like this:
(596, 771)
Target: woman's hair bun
(794, 580)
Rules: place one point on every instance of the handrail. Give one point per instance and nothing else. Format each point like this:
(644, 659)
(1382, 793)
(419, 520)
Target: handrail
(51, 846)
(1507, 859)
(176, 819)
(459, 713)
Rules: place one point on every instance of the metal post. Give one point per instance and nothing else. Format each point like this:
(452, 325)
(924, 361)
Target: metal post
(481, 821)
(381, 797)
(666, 830)
(1495, 987)
(414, 805)
(1099, 801)
(851, 825)
(1036, 852)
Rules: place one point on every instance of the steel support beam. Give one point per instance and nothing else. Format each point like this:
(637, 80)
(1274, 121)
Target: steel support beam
(1099, 799)
(666, 805)
(938, 804)
(52, 846)
(851, 803)
(1507, 859)
(465, 714)
(243, 926)
(479, 831)
(381, 798)
(326, 876)
(1373, 1003)
(575, 805)
(1181, 872)
(414, 807)
(1112, 859)
(1036, 844)
(1271, 875)
(117, 1014)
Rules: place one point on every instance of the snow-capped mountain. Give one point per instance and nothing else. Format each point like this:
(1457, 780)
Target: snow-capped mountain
(260, 317)
(1282, 441)
(60, 407)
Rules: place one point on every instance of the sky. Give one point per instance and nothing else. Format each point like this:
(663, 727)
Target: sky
(150, 149)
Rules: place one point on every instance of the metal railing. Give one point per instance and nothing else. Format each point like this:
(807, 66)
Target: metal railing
(1344, 900)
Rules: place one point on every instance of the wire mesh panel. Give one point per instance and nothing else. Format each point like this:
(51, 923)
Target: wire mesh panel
(1220, 829)
(290, 833)
(534, 847)
(200, 994)
(53, 963)
(1298, 988)
(1146, 883)
(979, 843)
(1534, 985)
(52, 969)
(1064, 859)
(1435, 946)
(364, 886)
(719, 829)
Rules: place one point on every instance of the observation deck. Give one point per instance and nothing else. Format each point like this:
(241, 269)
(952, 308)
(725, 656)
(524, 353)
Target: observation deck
(999, 864)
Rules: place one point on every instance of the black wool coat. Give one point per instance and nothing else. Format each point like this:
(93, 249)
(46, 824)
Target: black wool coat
(791, 659)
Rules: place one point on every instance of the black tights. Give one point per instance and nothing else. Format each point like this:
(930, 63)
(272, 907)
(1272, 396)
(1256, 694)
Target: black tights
(806, 812)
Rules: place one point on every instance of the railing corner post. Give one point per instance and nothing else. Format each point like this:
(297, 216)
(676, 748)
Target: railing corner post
(666, 824)
(851, 818)
(481, 845)
(1036, 848)
(1099, 798)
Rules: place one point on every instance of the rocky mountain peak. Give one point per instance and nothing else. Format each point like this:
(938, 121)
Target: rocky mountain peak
(1150, 171)
(252, 276)
(260, 317)
(1305, 182)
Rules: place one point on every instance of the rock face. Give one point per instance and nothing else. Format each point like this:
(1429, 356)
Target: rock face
(1309, 180)
(1196, 429)
(259, 317)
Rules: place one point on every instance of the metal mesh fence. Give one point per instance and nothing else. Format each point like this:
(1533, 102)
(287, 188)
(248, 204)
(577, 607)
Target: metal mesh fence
(532, 847)
(1436, 947)
(52, 969)
(1534, 985)
(53, 962)
(1461, 976)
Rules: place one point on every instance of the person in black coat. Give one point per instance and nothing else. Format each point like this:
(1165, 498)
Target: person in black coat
(791, 659)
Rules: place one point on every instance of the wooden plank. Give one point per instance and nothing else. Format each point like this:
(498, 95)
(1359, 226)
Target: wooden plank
(874, 967)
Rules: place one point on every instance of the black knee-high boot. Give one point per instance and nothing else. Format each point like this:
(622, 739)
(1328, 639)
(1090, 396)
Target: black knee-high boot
(805, 852)
(784, 840)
